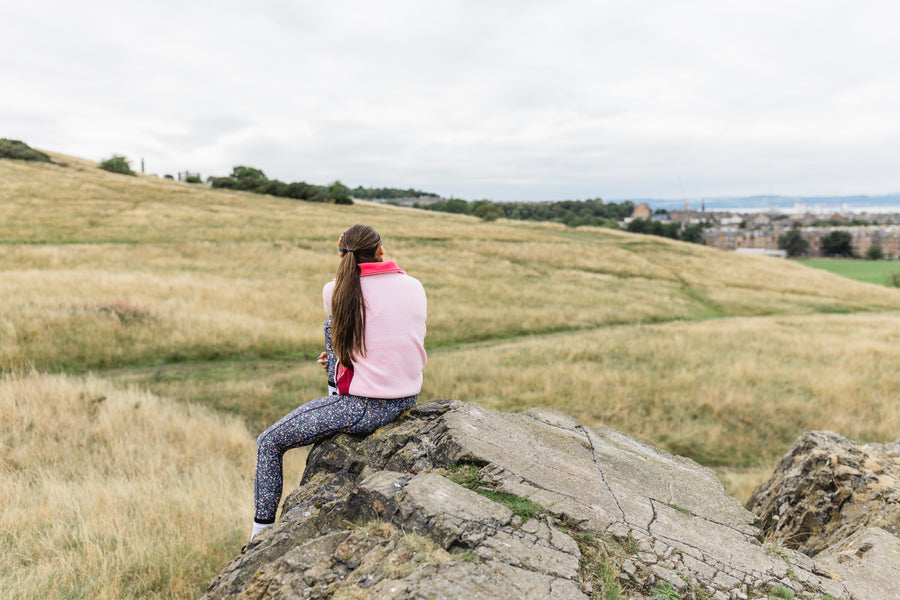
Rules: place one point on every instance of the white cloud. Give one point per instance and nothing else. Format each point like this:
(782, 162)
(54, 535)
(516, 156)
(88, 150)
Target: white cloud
(508, 100)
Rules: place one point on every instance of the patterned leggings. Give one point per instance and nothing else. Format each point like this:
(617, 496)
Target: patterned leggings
(313, 422)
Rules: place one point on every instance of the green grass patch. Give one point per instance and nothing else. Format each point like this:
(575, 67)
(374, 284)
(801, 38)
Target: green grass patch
(523, 507)
(469, 477)
(869, 271)
(779, 591)
(665, 591)
(682, 509)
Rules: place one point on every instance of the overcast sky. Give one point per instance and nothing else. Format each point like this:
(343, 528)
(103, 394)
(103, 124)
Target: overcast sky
(507, 100)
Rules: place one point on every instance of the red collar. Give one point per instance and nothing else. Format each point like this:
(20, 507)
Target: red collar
(377, 268)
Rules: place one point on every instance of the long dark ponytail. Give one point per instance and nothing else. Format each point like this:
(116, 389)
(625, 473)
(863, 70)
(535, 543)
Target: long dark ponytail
(359, 244)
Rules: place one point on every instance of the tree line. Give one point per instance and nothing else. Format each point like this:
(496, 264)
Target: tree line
(383, 193)
(834, 243)
(572, 213)
(249, 179)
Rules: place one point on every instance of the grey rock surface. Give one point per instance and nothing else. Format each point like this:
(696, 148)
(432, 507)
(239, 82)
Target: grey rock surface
(456, 501)
(868, 562)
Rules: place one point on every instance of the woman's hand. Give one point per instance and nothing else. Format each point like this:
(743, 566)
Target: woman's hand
(323, 360)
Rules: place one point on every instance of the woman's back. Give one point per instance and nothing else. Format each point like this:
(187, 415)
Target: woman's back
(396, 310)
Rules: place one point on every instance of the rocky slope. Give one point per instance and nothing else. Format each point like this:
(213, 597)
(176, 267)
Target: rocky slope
(455, 501)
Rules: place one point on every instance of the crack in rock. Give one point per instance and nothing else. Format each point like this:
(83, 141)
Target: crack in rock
(603, 475)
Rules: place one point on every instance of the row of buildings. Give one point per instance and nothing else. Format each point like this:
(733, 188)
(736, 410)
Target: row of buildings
(862, 238)
(759, 232)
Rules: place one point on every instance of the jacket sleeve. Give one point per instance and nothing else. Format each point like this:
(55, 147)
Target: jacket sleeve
(326, 296)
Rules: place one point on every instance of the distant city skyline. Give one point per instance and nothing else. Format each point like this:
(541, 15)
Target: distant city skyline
(888, 203)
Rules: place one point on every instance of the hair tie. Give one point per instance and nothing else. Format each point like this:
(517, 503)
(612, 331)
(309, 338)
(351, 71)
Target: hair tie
(346, 250)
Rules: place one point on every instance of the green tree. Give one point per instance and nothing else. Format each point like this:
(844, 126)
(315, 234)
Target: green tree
(339, 193)
(242, 172)
(837, 243)
(453, 205)
(248, 178)
(488, 212)
(117, 164)
(693, 234)
(793, 243)
(874, 252)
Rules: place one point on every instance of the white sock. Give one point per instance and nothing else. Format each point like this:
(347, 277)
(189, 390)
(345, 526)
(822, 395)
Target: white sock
(257, 527)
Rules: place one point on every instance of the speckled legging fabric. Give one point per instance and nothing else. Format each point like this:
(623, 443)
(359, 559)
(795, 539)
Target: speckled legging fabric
(310, 423)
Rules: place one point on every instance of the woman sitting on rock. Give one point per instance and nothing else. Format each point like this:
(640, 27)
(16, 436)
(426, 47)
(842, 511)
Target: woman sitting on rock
(374, 341)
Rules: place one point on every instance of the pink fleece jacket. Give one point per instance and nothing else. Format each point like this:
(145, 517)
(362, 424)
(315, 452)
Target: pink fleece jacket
(395, 332)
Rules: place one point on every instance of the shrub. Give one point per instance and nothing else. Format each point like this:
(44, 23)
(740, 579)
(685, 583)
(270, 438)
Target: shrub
(20, 151)
(339, 193)
(117, 164)
(895, 279)
(224, 183)
(488, 212)
(273, 187)
(299, 191)
(874, 252)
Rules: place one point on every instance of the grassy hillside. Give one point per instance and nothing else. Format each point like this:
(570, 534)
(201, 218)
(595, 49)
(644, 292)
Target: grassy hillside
(214, 297)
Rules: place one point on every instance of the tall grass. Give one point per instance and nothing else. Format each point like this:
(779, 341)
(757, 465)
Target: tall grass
(112, 494)
(733, 392)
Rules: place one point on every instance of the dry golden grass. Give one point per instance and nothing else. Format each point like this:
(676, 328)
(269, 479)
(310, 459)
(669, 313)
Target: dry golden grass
(111, 493)
(56, 310)
(725, 391)
(740, 483)
(226, 276)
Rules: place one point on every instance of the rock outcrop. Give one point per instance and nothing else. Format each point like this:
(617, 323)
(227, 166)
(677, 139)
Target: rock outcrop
(838, 501)
(454, 501)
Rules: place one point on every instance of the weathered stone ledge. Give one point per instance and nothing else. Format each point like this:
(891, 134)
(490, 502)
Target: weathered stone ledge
(383, 517)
